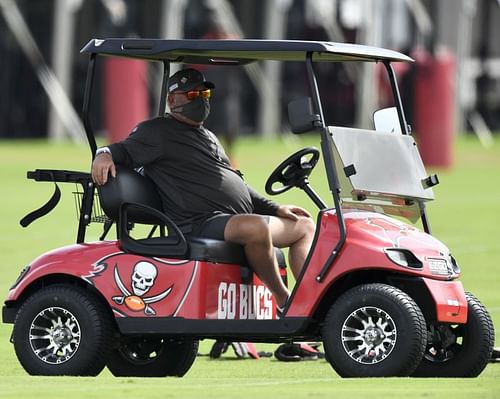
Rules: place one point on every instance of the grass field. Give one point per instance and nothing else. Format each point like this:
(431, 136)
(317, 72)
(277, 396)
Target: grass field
(466, 216)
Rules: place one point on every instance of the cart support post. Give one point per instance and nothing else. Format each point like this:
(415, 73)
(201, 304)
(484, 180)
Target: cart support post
(333, 180)
(88, 186)
(85, 210)
(163, 93)
(397, 97)
(86, 104)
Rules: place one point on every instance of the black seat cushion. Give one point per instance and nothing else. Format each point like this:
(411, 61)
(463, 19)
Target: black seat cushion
(206, 249)
(217, 251)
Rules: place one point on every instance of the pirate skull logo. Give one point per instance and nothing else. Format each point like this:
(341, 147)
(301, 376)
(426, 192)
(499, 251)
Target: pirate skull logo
(142, 279)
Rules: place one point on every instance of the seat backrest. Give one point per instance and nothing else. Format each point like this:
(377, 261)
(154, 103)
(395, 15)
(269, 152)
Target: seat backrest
(131, 187)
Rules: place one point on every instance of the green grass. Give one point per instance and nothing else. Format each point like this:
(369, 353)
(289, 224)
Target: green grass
(466, 216)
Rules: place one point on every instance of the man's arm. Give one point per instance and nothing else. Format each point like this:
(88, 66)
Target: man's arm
(140, 148)
(262, 205)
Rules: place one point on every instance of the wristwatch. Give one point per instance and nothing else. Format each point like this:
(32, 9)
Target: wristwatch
(103, 150)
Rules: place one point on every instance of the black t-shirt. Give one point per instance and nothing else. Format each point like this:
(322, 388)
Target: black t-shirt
(191, 171)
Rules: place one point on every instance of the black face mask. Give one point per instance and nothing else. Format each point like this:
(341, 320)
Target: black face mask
(196, 110)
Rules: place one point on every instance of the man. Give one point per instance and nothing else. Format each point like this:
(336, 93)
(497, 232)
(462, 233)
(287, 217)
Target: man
(201, 192)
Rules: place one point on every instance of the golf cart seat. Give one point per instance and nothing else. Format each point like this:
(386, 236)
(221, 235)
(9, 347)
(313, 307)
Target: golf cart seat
(132, 198)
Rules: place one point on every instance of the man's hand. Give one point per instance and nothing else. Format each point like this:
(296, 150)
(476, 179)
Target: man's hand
(291, 212)
(102, 165)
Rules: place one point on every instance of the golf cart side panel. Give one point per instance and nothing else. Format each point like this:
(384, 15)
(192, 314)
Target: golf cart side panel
(135, 285)
(139, 286)
(355, 255)
(369, 236)
(74, 260)
(229, 295)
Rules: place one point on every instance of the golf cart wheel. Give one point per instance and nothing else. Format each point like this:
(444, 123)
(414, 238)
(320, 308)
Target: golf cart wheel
(460, 350)
(62, 330)
(152, 357)
(374, 330)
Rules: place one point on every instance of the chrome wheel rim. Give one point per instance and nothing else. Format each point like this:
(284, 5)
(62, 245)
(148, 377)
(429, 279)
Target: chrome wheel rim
(369, 335)
(54, 335)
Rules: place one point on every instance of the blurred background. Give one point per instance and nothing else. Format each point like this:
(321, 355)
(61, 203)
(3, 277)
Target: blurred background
(452, 88)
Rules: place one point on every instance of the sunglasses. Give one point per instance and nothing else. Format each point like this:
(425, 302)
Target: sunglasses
(192, 94)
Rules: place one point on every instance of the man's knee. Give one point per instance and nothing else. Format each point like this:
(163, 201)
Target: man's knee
(306, 226)
(247, 229)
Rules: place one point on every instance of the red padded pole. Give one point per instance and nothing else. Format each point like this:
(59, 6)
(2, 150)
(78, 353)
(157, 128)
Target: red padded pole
(126, 100)
(434, 107)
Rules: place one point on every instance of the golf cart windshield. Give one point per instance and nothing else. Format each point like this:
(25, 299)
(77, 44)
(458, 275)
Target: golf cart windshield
(383, 171)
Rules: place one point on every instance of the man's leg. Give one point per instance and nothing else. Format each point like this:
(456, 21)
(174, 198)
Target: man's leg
(254, 233)
(296, 234)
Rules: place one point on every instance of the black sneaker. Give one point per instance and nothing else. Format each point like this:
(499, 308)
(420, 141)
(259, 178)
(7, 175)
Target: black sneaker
(218, 348)
(297, 352)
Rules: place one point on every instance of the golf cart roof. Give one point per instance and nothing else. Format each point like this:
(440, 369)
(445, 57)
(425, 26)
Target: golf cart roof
(238, 52)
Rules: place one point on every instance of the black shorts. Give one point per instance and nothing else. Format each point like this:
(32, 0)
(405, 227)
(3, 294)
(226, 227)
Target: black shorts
(215, 226)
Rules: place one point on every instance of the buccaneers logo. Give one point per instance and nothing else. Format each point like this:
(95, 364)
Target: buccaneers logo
(151, 286)
(143, 279)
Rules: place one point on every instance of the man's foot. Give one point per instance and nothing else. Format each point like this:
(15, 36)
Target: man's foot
(280, 310)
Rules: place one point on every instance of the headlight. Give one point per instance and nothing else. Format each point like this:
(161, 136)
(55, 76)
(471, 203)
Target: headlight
(403, 257)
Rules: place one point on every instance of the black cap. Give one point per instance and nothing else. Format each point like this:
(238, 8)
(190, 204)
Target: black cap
(187, 79)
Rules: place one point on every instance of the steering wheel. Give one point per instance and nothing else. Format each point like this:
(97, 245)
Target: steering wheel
(293, 171)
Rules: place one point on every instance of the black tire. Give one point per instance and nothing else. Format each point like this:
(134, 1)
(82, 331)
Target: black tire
(152, 357)
(460, 350)
(63, 330)
(374, 330)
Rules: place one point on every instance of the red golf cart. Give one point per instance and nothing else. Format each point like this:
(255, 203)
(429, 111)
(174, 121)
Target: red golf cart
(381, 294)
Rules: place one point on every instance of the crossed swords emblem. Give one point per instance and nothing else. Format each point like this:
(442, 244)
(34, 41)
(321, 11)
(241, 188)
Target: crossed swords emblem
(135, 302)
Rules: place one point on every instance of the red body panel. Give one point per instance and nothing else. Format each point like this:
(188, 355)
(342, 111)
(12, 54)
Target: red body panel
(450, 299)
(367, 235)
(138, 286)
(182, 288)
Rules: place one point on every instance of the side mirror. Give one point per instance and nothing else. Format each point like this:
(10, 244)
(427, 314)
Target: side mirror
(301, 116)
(387, 120)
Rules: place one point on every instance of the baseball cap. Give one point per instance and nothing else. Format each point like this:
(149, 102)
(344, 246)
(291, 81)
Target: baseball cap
(187, 79)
